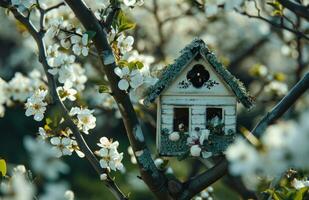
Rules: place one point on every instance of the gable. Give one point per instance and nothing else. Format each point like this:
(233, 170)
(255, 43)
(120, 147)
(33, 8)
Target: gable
(210, 84)
(197, 48)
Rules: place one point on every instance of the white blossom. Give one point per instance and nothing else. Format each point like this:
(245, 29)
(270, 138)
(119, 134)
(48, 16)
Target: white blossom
(42, 133)
(75, 147)
(103, 176)
(19, 87)
(43, 159)
(66, 92)
(54, 26)
(158, 162)
(3, 96)
(125, 43)
(128, 79)
(110, 157)
(195, 150)
(80, 44)
(174, 136)
(299, 184)
(69, 195)
(61, 146)
(56, 191)
(131, 3)
(36, 105)
(86, 120)
(131, 153)
(277, 88)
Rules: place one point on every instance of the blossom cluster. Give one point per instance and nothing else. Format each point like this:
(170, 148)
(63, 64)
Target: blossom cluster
(277, 154)
(19, 184)
(20, 88)
(36, 105)
(195, 140)
(85, 118)
(110, 157)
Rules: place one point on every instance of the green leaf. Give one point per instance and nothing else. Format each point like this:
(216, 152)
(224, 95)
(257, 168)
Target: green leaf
(104, 89)
(3, 168)
(300, 193)
(123, 22)
(123, 63)
(48, 120)
(90, 34)
(127, 26)
(135, 65)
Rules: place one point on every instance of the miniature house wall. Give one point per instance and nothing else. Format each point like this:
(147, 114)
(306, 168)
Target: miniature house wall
(193, 91)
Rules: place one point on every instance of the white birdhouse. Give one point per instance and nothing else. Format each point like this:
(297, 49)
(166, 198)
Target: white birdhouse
(196, 95)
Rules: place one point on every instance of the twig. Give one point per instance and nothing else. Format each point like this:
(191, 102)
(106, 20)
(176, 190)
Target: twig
(38, 37)
(154, 179)
(273, 23)
(296, 8)
(54, 7)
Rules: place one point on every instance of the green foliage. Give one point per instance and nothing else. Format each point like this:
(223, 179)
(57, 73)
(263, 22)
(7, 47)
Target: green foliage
(286, 193)
(215, 129)
(132, 65)
(135, 65)
(3, 167)
(278, 8)
(123, 23)
(104, 89)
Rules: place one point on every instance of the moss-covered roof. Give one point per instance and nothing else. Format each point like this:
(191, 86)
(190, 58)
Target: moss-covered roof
(197, 47)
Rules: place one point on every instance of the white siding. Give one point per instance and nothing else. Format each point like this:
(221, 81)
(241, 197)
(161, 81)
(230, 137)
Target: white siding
(198, 100)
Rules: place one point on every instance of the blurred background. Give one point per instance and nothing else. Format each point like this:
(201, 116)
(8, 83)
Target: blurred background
(268, 59)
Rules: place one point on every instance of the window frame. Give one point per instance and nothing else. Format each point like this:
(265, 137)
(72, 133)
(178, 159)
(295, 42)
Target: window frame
(189, 113)
(222, 113)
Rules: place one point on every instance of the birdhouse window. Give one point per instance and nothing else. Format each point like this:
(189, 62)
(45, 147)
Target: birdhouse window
(214, 116)
(181, 119)
(198, 76)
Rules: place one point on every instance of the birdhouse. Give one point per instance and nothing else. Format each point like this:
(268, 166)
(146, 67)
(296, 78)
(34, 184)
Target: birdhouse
(196, 95)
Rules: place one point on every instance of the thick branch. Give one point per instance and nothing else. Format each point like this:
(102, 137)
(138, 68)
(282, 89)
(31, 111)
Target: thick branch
(300, 88)
(150, 174)
(296, 8)
(200, 182)
(38, 37)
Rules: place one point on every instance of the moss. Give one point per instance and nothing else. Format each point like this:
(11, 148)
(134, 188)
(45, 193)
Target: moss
(216, 144)
(197, 48)
(147, 163)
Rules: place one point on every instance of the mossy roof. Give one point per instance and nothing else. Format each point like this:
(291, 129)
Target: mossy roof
(197, 47)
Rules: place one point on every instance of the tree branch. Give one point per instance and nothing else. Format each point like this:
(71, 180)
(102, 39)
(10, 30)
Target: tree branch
(300, 88)
(38, 37)
(296, 8)
(200, 182)
(154, 179)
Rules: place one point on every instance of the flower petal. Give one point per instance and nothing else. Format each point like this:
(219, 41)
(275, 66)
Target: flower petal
(123, 84)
